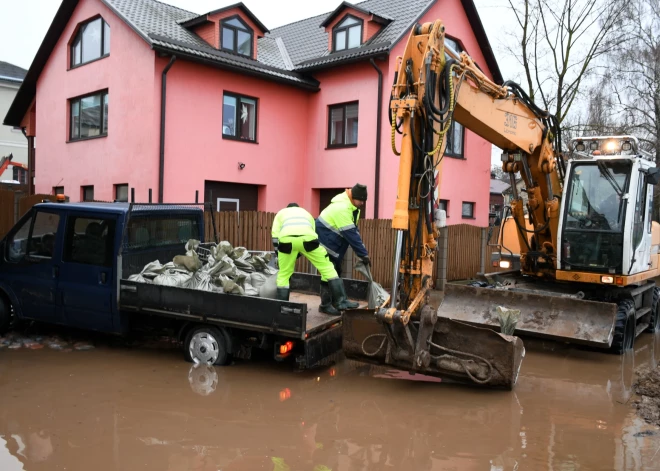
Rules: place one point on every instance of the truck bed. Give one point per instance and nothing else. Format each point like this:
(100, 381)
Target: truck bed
(297, 318)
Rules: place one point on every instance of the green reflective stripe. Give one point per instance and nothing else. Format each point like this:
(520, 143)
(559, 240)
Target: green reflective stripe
(326, 224)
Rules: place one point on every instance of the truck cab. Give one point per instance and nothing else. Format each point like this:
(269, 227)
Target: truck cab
(61, 262)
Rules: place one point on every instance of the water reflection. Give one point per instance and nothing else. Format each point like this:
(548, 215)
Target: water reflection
(570, 410)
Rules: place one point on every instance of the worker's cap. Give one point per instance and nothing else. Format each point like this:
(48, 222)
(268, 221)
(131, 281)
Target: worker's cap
(359, 192)
(293, 205)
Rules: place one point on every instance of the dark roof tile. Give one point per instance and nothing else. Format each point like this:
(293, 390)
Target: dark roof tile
(11, 73)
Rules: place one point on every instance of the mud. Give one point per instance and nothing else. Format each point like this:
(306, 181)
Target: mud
(647, 387)
(129, 406)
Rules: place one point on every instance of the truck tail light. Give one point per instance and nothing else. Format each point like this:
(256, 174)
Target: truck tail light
(286, 347)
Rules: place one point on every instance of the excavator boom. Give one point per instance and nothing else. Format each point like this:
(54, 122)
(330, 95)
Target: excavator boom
(406, 331)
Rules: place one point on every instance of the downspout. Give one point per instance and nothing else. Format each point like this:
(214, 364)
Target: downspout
(378, 129)
(31, 159)
(163, 95)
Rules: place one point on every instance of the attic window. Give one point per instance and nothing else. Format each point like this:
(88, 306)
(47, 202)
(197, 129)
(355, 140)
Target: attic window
(347, 34)
(92, 42)
(236, 36)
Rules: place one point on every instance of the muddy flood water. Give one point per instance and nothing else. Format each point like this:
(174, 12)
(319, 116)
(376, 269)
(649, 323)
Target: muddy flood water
(115, 408)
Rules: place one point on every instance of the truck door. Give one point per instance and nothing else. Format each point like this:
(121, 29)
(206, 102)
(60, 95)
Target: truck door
(87, 275)
(34, 250)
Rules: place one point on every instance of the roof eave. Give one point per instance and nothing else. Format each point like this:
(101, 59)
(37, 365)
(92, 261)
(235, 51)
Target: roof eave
(28, 88)
(336, 63)
(309, 83)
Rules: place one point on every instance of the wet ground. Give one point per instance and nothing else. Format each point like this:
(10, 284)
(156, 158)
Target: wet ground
(118, 408)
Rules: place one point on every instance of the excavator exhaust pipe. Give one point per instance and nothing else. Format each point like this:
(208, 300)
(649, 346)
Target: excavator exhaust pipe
(440, 347)
(553, 316)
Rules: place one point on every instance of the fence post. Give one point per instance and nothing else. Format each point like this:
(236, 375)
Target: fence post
(484, 244)
(442, 259)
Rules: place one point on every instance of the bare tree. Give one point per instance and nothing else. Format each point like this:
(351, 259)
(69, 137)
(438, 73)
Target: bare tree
(637, 79)
(560, 42)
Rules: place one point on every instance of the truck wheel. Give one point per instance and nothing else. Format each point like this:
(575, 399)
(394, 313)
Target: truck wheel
(654, 326)
(624, 328)
(5, 315)
(205, 345)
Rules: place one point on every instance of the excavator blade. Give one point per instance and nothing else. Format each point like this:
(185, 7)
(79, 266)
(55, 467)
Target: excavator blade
(458, 351)
(550, 316)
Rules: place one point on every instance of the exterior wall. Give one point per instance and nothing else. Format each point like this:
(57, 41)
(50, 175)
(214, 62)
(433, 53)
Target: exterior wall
(195, 150)
(462, 179)
(209, 32)
(258, 33)
(11, 141)
(343, 167)
(129, 154)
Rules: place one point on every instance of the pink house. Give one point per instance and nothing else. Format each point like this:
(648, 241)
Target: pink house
(136, 96)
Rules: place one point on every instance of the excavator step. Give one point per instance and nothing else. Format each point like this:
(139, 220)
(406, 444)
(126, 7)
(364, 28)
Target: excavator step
(641, 328)
(642, 311)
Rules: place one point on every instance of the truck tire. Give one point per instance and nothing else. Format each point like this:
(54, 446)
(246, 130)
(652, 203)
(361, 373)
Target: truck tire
(654, 326)
(624, 328)
(5, 315)
(206, 345)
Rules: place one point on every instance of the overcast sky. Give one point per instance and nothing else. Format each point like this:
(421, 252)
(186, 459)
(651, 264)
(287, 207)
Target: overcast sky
(23, 24)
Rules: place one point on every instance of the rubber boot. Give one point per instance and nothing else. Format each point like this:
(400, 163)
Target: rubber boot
(282, 294)
(326, 300)
(341, 302)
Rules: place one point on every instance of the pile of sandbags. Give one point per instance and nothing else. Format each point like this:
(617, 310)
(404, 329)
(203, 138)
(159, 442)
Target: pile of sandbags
(227, 270)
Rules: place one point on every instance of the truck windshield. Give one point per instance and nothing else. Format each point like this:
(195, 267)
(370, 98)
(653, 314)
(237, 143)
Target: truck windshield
(596, 195)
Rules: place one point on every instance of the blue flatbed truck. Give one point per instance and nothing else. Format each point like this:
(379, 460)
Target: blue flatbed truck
(69, 264)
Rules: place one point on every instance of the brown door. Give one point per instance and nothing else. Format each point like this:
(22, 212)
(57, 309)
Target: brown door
(227, 196)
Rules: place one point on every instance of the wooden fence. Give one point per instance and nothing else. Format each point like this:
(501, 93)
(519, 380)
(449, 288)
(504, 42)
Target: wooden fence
(13, 205)
(466, 245)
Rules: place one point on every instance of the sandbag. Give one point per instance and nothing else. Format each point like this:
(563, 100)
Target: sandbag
(139, 278)
(269, 288)
(376, 294)
(201, 281)
(172, 278)
(191, 262)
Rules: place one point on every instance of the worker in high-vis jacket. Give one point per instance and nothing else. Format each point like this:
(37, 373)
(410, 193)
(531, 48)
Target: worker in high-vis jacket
(336, 226)
(294, 233)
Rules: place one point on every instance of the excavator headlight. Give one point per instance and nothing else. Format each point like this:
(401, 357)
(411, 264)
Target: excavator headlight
(580, 147)
(607, 279)
(505, 264)
(626, 146)
(611, 146)
(593, 145)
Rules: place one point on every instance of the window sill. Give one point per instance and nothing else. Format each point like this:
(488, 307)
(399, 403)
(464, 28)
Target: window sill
(468, 217)
(86, 138)
(344, 146)
(88, 62)
(238, 139)
(457, 157)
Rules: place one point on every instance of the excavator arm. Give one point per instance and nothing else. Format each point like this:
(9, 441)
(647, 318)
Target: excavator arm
(406, 332)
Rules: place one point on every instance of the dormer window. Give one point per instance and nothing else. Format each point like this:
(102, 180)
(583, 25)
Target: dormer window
(92, 42)
(348, 33)
(236, 36)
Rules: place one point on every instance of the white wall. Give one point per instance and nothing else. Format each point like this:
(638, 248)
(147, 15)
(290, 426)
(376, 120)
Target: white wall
(11, 141)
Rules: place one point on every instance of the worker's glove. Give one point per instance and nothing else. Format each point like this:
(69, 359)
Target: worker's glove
(366, 260)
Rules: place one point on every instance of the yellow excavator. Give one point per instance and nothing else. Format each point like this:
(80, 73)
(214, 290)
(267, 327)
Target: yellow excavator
(597, 290)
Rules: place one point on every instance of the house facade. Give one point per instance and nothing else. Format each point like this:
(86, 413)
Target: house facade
(12, 140)
(139, 95)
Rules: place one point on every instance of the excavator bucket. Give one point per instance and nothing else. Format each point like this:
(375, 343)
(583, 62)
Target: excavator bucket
(545, 315)
(458, 351)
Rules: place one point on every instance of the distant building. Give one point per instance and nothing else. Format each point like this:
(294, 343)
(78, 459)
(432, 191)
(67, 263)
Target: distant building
(12, 140)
